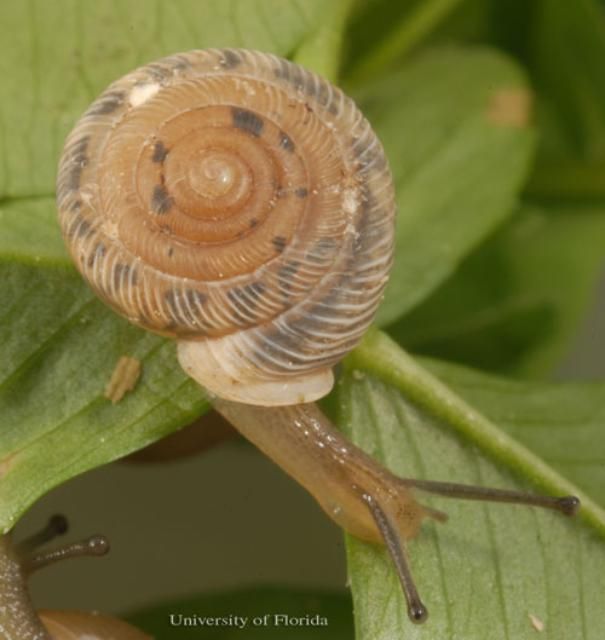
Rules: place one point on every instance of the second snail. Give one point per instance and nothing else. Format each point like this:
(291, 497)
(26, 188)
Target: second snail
(242, 205)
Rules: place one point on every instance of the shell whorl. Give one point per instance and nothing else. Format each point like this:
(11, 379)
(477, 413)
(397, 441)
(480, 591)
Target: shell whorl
(237, 202)
(82, 625)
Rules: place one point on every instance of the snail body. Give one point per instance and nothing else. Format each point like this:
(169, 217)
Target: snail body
(18, 618)
(242, 205)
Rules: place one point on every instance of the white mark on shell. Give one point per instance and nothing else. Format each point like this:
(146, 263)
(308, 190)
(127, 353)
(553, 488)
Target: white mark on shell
(349, 201)
(141, 93)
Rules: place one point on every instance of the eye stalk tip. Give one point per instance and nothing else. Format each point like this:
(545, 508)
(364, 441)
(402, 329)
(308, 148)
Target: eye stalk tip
(418, 613)
(569, 505)
(97, 545)
(58, 524)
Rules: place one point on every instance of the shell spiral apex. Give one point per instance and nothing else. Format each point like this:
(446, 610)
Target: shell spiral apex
(240, 203)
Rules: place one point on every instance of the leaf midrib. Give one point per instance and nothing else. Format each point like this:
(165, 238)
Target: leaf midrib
(382, 357)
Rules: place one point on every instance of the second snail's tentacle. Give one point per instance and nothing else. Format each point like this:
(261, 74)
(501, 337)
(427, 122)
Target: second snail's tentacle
(18, 618)
(55, 527)
(97, 545)
(337, 473)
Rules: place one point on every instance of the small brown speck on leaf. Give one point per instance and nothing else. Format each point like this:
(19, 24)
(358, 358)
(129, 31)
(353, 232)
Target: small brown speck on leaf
(123, 379)
(5, 464)
(510, 107)
(536, 623)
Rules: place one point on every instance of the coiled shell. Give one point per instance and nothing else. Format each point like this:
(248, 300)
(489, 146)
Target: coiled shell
(237, 202)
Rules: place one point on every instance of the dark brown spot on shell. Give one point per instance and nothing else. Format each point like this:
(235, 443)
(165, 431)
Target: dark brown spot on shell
(281, 351)
(254, 289)
(97, 254)
(285, 142)
(310, 87)
(245, 299)
(158, 72)
(195, 297)
(325, 244)
(301, 192)
(107, 104)
(84, 229)
(179, 62)
(122, 273)
(170, 252)
(279, 242)
(282, 71)
(161, 202)
(183, 305)
(312, 321)
(284, 276)
(295, 77)
(159, 152)
(230, 59)
(77, 160)
(247, 121)
(321, 249)
(322, 94)
(253, 223)
(74, 178)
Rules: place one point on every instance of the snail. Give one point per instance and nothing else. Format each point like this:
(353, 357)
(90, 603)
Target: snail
(19, 620)
(242, 205)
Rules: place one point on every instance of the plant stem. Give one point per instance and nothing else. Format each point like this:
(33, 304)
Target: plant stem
(414, 28)
(384, 358)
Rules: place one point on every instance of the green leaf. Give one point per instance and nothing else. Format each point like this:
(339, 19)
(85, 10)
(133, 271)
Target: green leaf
(385, 31)
(563, 46)
(261, 603)
(58, 350)
(321, 52)
(490, 567)
(454, 127)
(30, 232)
(58, 345)
(568, 50)
(562, 423)
(513, 306)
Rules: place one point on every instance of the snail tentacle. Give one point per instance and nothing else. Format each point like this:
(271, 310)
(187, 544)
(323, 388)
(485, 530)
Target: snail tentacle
(339, 475)
(18, 618)
(417, 612)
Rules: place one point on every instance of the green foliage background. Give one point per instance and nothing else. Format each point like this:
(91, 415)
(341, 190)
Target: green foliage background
(500, 240)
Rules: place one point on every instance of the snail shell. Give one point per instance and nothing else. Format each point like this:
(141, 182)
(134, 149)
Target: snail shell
(80, 625)
(237, 202)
